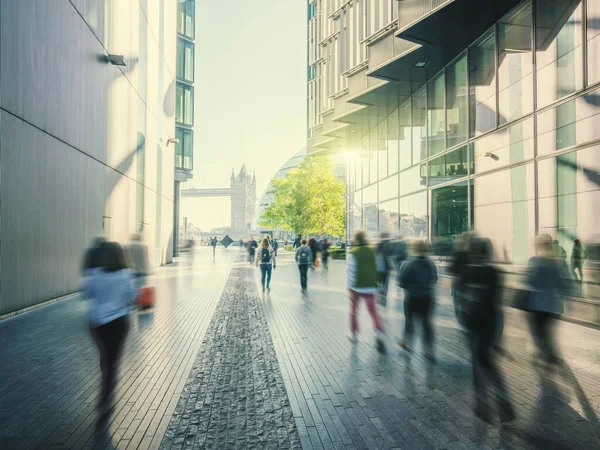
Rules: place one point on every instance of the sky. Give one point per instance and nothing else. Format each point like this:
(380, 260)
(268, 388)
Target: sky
(250, 96)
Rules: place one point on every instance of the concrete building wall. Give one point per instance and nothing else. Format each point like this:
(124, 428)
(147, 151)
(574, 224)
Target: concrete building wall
(72, 164)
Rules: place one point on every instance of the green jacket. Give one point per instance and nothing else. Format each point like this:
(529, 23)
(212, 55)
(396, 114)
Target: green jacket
(365, 272)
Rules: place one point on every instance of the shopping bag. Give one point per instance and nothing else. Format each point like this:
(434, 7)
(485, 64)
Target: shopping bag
(146, 297)
(316, 263)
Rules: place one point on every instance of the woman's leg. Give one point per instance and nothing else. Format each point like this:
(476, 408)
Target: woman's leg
(263, 274)
(370, 299)
(269, 274)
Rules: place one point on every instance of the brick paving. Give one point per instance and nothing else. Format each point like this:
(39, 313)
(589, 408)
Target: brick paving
(346, 396)
(49, 370)
(235, 396)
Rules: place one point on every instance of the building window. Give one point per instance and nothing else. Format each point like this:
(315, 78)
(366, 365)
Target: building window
(593, 36)
(449, 214)
(184, 151)
(311, 10)
(184, 110)
(185, 60)
(311, 73)
(515, 65)
(482, 81)
(436, 115)
(186, 17)
(559, 49)
(449, 166)
(457, 102)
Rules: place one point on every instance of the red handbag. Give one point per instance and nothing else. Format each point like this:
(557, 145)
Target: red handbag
(146, 297)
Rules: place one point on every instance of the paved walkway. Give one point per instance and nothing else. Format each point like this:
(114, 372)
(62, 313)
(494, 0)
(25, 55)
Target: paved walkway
(216, 365)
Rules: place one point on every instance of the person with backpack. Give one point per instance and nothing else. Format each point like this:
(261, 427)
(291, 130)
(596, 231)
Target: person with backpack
(252, 246)
(266, 260)
(483, 319)
(362, 283)
(384, 255)
(304, 259)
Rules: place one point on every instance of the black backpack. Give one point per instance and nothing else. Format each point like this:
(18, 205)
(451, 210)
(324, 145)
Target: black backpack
(265, 256)
(303, 256)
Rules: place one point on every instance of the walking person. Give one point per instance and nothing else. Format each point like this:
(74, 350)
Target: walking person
(418, 277)
(137, 258)
(214, 243)
(275, 246)
(399, 256)
(266, 260)
(460, 260)
(297, 242)
(325, 246)
(110, 288)
(578, 256)
(314, 248)
(384, 254)
(304, 260)
(546, 281)
(362, 283)
(252, 246)
(90, 259)
(483, 319)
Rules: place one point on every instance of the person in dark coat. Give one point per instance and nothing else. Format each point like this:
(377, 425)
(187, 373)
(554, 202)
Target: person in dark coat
(314, 248)
(385, 252)
(325, 245)
(458, 266)
(297, 242)
(483, 318)
(418, 277)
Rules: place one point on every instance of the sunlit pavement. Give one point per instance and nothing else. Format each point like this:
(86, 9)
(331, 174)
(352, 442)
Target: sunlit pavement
(350, 396)
(218, 365)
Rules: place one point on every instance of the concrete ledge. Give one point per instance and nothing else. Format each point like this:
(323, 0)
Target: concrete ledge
(37, 306)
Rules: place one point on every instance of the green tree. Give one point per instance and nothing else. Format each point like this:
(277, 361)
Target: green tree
(309, 199)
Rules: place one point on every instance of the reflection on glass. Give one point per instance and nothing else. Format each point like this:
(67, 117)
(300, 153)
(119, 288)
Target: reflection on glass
(419, 126)
(365, 167)
(370, 213)
(558, 36)
(186, 18)
(388, 188)
(456, 102)
(449, 215)
(188, 150)
(185, 60)
(436, 115)
(506, 215)
(382, 148)
(448, 167)
(179, 149)
(392, 142)
(184, 108)
(504, 147)
(358, 162)
(413, 179)
(515, 66)
(388, 216)
(482, 79)
(405, 134)
(593, 36)
(413, 216)
(571, 123)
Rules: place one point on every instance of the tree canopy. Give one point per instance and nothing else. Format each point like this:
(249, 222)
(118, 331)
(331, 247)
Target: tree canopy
(309, 199)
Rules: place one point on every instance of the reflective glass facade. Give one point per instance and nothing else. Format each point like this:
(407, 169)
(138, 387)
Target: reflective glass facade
(505, 140)
(184, 92)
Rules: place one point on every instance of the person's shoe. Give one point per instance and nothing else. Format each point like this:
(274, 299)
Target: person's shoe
(380, 345)
(402, 343)
(507, 412)
(353, 338)
(268, 288)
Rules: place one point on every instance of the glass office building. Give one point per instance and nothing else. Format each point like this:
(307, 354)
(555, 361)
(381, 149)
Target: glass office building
(489, 124)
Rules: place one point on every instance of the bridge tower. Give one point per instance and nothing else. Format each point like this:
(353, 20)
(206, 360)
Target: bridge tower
(243, 195)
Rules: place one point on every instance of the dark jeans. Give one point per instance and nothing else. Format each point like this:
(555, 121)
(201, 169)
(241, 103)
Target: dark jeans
(303, 268)
(484, 366)
(325, 260)
(384, 283)
(110, 338)
(422, 308)
(542, 330)
(251, 254)
(266, 271)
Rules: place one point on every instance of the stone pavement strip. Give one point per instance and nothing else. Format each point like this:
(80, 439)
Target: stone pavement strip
(235, 395)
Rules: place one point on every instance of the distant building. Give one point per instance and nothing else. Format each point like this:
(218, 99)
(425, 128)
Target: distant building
(243, 200)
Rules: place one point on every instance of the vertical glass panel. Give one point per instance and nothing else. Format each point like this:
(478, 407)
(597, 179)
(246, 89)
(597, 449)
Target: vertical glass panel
(365, 167)
(373, 161)
(179, 149)
(436, 115)
(388, 188)
(180, 58)
(449, 215)
(358, 162)
(179, 103)
(504, 147)
(392, 142)
(419, 126)
(405, 135)
(559, 58)
(189, 62)
(515, 66)
(189, 106)
(571, 123)
(504, 212)
(370, 212)
(456, 102)
(388, 216)
(413, 179)
(190, 18)
(188, 150)
(569, 203)
(482, 80)
(413, 216)
(382, 156)
(448, 167)
(593, 36)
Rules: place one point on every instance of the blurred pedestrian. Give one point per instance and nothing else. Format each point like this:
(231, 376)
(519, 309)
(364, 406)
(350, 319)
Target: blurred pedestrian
(90, 259)
(578, 256)
(265, 259)
(275, 246)
(252, 246)
(385, 252)
(325, 246)
(137, 259)
(483, 318)
(545, 281)
(400, 255)
(214, 243)
(458, 267)
(314, 248)
(418, 277)
(110, 288)
(304, 260)
(297, 242)
(559, 250)
(362, 283)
